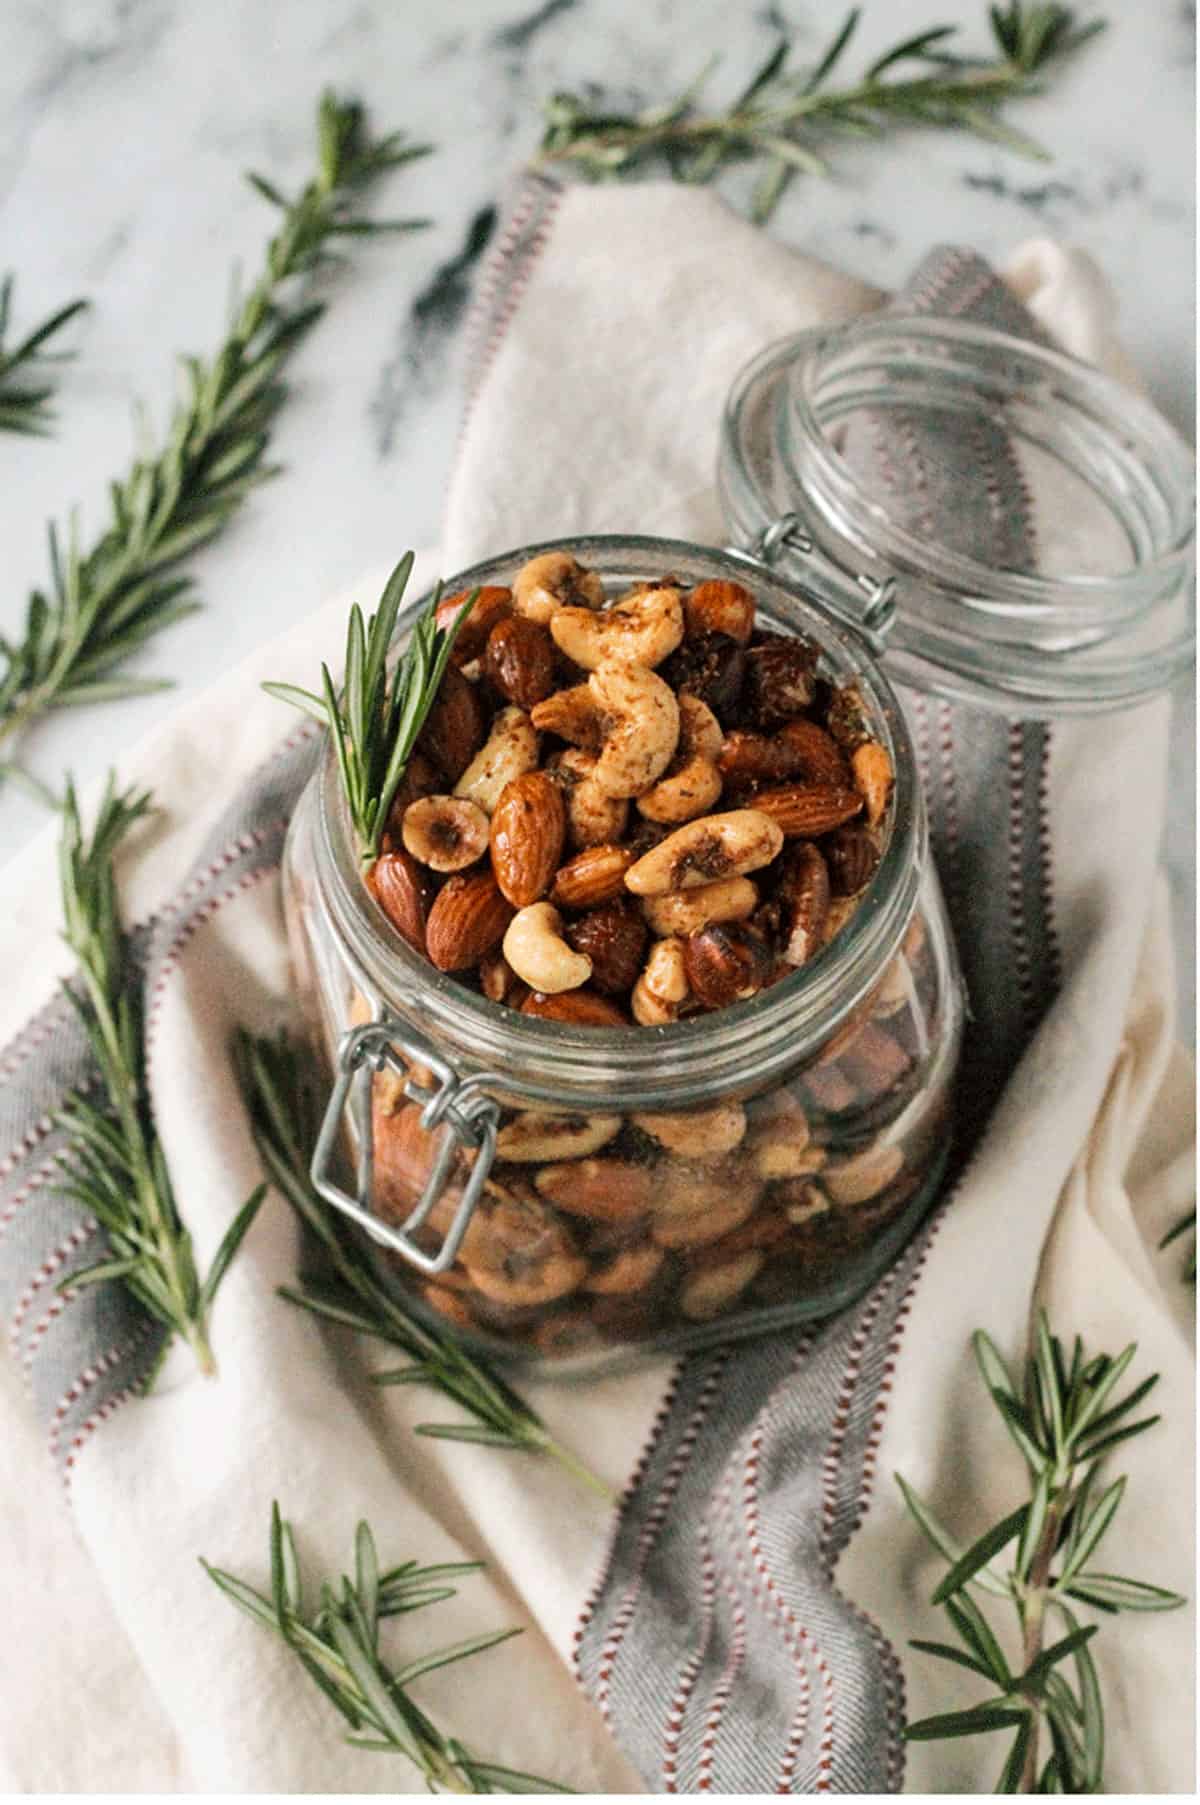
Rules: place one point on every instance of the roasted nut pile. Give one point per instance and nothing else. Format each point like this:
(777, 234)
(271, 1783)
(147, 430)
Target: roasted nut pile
(630, 812)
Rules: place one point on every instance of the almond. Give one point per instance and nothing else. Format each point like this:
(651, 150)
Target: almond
(805, 809)
(874, 777)
(519, 661)
(725, 963)
(604, 1190)
(454, 728)
(468, 919)
(583, 1007)
(852, 855)
(595, 875)
(529, 825)
(401, 889)
(491, 604)
(720, 607)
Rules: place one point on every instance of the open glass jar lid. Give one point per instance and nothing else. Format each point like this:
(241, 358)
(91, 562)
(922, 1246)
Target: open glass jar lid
(842, 447)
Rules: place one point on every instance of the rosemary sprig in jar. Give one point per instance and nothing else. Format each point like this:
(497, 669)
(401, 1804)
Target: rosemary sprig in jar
(24, 391)
(114, 1167)
(104, 603)
(375, 721)
(782, 115)
(277, 1082)
(1065, 1418)
(337, 1644)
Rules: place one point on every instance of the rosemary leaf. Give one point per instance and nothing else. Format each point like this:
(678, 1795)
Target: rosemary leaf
(103, 603)
(113, 1166)
(338, 1647)
(781, 115)
(277, 1083)
(1066, 1422)
(25, 392)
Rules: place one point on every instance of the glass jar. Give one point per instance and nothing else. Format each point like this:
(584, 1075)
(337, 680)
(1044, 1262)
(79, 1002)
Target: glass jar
(574, 1194)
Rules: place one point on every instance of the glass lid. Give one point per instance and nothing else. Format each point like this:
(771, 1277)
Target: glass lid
(1030, 520)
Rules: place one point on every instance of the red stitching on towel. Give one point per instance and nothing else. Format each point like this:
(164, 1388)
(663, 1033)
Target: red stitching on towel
(691, 1671)
(91, 1375)
(655, 1519)
(93, 1423)
(54, 1262)
(832, 1459)
(1046, 867)
(946, 755)
(38, 1332)
(32, 1037)
(1022, 958)
(29, 1143)
(236, 849)
(723, 1692)
(42, 1176)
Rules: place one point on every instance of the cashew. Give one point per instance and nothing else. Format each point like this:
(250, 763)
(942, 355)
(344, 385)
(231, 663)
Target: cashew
(664, 973)
(534, 1136)
(537, 952)
(785, 1159)
(699, 1134)
(642, 728)
(716, 846)
(594, 818)
(648, 1010)
(551, 581)
(510, 751)
(447, 833)
(643, 629)
(692, 784)
(700, 1204)
(859, 1179)
(687, 911)
(573, 715)
(712, 1289)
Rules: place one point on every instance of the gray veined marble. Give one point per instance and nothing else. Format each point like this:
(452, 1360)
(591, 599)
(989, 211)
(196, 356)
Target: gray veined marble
(124, 125)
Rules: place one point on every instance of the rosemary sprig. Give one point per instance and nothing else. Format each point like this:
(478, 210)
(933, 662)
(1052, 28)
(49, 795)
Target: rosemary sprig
(277, 1083)
(24, 392)
(1185, 1226)
(378, 716)
(783, 114)
(337, 1644)
(114, 1167)
(1065, 1418)
(103, 604)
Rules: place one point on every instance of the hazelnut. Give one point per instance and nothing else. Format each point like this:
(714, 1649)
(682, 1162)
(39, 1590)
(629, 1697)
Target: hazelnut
(447, 833)
(614, 939)
(711, 666)
(726, 963)
(781, 679)
(851, 855)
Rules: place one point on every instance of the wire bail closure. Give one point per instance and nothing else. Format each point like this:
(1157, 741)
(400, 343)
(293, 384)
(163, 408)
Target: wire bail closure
(469, 1119)
(787, 532)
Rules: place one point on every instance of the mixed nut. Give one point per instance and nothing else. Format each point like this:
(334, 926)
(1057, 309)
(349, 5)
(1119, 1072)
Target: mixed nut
(630, 811)
(625, 813)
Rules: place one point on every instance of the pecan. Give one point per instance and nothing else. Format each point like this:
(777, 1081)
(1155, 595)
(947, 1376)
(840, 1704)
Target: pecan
(711, 666)
(852, 855)
(519, 661)
(847, 718)
(803, 894)
(781, 679)
(614, 938)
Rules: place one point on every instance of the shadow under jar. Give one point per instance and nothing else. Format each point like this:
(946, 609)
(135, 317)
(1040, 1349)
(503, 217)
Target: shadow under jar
(570, 1194)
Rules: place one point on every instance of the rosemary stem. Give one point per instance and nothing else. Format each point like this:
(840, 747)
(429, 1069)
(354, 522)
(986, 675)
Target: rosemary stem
(573, 1465)
(1033, 1617)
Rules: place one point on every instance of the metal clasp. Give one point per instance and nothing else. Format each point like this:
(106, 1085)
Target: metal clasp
(875, 619)
(469, 1120)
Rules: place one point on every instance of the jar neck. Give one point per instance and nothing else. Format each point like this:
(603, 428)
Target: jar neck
(555, 1063)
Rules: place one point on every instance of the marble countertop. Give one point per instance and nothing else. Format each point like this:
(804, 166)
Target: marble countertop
(125, 124)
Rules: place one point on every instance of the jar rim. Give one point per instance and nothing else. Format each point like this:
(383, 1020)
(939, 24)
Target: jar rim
(1051, 641)
(702, 1055)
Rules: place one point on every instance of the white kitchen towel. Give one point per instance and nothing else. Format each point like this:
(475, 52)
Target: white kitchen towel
(1079, 1173)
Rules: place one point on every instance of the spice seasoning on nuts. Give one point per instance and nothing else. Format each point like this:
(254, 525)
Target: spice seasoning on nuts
(609, 773)
(625, 813)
